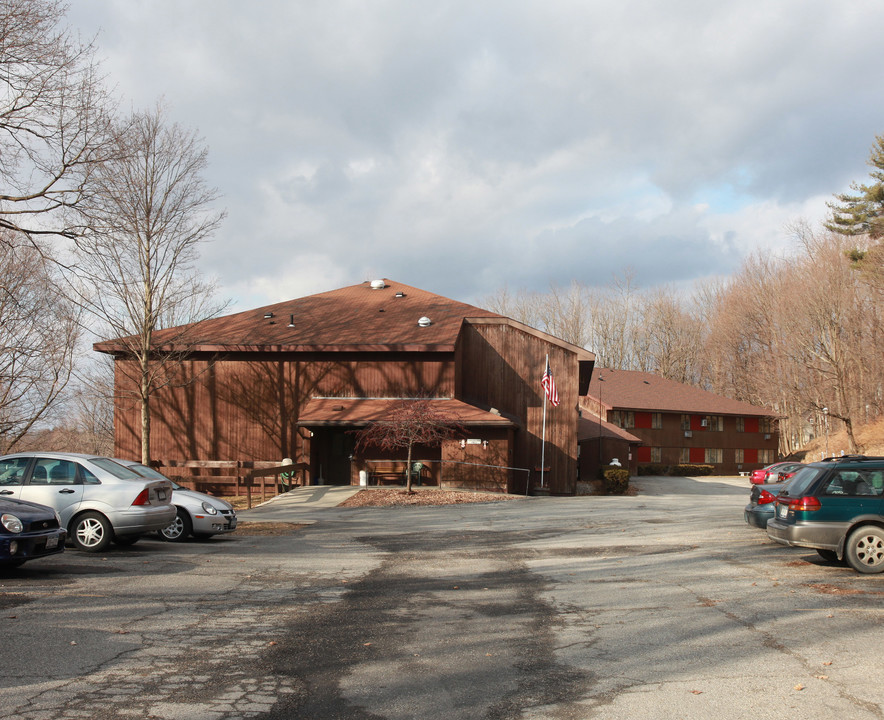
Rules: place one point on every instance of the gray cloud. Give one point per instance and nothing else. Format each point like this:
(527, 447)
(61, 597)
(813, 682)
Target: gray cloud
(473, 145)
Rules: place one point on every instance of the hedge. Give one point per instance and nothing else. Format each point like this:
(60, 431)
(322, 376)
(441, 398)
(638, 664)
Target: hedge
(679, 470)
(616, 480)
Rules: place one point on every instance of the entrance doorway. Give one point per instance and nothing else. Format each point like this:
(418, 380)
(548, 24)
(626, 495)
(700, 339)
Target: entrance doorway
(333, 450)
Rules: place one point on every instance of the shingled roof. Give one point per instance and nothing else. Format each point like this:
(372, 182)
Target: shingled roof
(379, 315)
(633, 390)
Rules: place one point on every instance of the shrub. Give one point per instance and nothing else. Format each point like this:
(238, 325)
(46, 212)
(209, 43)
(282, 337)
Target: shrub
(691, 470)
(616, 480)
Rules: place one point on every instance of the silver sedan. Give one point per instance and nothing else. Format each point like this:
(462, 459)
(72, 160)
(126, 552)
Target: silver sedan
(97, 499)
(198, 514)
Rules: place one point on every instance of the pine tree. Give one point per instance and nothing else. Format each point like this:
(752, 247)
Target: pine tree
(862, 211)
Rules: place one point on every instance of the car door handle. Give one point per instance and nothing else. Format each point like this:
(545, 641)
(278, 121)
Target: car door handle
(7, 492)
(67, 491)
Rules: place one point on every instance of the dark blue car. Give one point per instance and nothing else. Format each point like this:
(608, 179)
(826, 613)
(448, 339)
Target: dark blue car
(28, 531)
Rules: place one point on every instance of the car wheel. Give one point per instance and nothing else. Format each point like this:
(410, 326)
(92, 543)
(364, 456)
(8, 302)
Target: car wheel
(126, 539)
(829, 555)
(91, 532)
(179, 529)
(864, 550)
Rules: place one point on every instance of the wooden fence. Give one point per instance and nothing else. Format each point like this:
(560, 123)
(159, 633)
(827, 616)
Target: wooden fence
(235, 477)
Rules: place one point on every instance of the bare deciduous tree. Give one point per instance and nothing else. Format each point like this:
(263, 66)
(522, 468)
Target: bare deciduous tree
(410, 422)
(137, 265)
(38, 337)
(54, 119)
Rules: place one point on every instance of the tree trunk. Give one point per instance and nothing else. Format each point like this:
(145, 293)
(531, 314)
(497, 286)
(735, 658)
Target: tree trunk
(408, 471)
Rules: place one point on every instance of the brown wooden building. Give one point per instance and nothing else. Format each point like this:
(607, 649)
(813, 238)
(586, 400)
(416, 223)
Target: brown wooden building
(679, 424)
(297, 378)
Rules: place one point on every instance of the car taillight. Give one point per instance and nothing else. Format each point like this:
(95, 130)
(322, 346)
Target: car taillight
(143, 498)
(765, 497)
(805, 504)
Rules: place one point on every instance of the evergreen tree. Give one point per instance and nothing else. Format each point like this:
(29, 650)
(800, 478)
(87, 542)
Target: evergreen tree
(862, 211)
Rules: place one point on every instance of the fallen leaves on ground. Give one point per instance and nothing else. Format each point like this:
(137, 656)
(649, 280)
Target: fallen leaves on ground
(390, 497)
(267, 528)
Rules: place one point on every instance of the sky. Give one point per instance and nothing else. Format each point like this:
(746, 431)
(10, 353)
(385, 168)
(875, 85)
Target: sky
(466, 147)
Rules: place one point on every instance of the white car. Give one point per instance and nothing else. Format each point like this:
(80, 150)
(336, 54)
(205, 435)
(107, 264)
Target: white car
(97, 499)
(197, 513)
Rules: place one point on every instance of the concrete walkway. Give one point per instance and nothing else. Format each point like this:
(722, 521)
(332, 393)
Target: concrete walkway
(290, 506)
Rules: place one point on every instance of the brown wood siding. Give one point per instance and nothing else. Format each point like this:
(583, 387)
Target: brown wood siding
(501, 366)
(671, 438)
(246, 407)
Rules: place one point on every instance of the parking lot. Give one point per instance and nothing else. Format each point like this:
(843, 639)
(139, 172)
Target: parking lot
(659, 605)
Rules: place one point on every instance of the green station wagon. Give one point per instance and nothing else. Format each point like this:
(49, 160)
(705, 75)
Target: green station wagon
(836, 507)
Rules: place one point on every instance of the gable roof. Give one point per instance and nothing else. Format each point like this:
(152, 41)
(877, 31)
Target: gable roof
(634, 390)
(373, 316)
(358, 317)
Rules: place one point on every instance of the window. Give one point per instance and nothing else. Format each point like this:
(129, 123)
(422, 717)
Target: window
(766, 425)
(765, 456)
(738, 453)
(623, 418)
(714, 423)
(713, 456)
(684, 456)
(741, 427)
(656, 422)
(850, 482)
(12, 470)
(656, 454)
(685, 422)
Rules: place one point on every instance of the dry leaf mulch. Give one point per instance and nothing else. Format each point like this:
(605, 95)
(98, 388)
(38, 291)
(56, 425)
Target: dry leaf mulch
(394, 497)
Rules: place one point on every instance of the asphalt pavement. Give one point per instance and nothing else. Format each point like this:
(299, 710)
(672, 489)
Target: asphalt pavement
(663, 605)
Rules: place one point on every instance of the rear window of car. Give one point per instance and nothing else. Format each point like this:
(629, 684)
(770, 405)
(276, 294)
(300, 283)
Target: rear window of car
(802, 480)
(115, 469)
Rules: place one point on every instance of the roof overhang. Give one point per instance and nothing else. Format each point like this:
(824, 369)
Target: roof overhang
(358, 412)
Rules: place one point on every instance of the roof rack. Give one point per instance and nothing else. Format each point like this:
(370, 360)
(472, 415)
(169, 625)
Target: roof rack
(852, 458)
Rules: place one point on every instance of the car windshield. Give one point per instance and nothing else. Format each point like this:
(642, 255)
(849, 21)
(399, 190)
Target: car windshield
(801, 480)
(149, 472)
(115, 469)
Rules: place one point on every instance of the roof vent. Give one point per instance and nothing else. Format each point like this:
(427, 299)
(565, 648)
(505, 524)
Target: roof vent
(268, 315)
(378, 284)
(424, 321)
(291, 320)
(400, 294)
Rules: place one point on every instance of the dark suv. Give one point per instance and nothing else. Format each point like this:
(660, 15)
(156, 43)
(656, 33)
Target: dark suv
(835, 506)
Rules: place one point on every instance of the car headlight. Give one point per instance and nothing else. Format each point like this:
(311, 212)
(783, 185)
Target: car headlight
(11, 523)
(210, 509)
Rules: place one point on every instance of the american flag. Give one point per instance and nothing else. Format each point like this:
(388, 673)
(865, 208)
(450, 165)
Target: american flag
(549, 386)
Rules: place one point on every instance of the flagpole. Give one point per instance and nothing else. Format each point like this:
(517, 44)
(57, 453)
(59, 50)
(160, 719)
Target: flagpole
(543, 436)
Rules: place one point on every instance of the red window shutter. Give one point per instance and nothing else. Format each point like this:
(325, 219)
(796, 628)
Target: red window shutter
(644, 453)
(698, 456)
(750, 425)
(750, 455)
(643, 420)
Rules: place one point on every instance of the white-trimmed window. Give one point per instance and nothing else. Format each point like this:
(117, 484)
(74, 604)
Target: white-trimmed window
(738, 455)
(713, 456)
(684, 456)
(765, 456)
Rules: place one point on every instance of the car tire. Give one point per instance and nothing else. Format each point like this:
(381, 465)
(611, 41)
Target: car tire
(126, 539)
(91, 532)
(864, 550)
(179, 529)
(829, 555)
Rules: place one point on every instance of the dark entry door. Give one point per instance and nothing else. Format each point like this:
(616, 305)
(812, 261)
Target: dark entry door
(338, 448)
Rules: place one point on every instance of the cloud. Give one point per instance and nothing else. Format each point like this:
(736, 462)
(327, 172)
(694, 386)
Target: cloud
(470, 145)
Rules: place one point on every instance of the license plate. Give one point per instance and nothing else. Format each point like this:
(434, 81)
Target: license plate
(52, 542)
(161, 494)
(782, 511)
